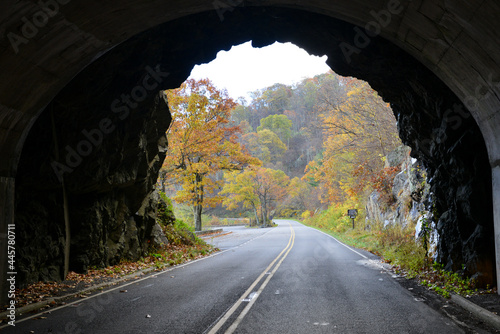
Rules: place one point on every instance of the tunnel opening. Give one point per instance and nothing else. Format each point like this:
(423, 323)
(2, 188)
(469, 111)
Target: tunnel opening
(109, 179)
(284, 119)
(260, 83)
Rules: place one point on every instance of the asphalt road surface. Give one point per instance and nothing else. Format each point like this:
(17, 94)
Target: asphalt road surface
(288, 279)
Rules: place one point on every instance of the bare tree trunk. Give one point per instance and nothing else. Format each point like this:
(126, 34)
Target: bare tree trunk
(256, 214)
(264, 214)
(198, 207)
(197, 210)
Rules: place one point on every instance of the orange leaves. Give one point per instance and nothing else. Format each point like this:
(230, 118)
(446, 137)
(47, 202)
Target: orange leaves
(382, 181)
(202, 141)
(271, 183)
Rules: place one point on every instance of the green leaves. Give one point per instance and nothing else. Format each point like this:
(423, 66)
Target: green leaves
(281, 125)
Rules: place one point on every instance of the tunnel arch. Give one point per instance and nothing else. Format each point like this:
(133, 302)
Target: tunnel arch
(422, 45)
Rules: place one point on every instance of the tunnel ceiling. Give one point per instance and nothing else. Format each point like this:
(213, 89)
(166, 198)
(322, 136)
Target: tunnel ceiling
(455, 40)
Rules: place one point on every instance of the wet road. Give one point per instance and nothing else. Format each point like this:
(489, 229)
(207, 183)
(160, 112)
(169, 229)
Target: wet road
(288, 279)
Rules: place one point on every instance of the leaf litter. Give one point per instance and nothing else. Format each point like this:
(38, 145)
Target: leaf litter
(169, 255)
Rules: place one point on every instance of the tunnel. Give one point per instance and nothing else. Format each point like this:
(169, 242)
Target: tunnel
(83, 117)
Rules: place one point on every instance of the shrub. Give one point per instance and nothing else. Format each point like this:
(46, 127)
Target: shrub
(306, 214)
(164, 212)
(383, 181)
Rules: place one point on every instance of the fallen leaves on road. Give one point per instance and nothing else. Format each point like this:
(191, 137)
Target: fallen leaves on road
(75, 282)
(213, 235)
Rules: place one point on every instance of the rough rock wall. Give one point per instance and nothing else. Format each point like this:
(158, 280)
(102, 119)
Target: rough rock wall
(454, 239)
(413, 200)
(410, 191)
(448, 142)
(108, 191)
(451, 147)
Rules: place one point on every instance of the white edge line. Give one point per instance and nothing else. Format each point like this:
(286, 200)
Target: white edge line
(153, 274)
(340, 242)
(130, 283)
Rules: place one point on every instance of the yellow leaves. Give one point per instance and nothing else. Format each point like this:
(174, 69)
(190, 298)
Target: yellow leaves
(202, 141)
(239, 188)
(265, 145)
(255, 187)
(358, 128)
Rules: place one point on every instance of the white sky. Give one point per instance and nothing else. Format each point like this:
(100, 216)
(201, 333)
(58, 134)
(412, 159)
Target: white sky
(244, 69)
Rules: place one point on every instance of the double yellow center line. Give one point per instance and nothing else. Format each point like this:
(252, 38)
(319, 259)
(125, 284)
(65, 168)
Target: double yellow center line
(270, 273)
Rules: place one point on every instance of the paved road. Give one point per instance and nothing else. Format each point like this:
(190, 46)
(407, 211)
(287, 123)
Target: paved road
(288, 279)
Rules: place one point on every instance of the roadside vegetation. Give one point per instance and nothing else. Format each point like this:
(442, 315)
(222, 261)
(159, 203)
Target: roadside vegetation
(398, 247)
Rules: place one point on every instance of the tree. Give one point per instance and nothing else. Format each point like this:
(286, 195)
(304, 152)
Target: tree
(239, 188)
(299, 198)
(241, 113)
(202, 141)
(259, 186)
(359, 129)
(277, 97)
(265, 145)
(281, 125)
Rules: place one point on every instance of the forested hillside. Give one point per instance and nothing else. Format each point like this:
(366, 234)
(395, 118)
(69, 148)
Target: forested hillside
(318, 143)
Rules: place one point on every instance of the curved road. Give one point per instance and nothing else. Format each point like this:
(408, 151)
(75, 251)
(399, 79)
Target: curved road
(288, 279)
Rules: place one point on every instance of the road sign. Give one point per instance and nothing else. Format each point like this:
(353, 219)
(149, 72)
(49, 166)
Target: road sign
(352, 213)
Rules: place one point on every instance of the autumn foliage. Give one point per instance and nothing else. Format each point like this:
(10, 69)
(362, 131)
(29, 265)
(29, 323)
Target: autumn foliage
(202, 142)
(259, 189)
(359, 130)
(328, 134)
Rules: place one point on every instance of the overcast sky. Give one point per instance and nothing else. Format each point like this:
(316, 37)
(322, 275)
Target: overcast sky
(244, 69)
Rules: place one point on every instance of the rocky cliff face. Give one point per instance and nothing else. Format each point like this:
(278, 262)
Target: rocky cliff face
(450, 146)
(410, 191)
(413, 200)
(416, 204)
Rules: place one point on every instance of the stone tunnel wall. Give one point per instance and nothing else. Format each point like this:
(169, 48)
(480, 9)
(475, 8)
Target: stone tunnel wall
(110, 184)
(448, 141)
(109, 164)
